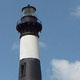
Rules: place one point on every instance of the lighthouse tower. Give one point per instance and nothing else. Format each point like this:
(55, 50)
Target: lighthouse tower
(29, 28)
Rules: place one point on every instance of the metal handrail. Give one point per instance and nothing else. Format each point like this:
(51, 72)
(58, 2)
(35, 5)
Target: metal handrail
(37, 21)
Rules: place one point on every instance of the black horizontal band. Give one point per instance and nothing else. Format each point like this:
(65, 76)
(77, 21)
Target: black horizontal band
(30, 69)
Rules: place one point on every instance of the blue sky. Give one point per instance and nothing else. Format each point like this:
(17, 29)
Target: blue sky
(59, 40)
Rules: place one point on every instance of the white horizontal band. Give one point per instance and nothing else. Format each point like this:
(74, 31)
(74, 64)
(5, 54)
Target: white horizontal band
(29, 47)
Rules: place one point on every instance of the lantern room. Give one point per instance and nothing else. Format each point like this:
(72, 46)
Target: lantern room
(29, 11)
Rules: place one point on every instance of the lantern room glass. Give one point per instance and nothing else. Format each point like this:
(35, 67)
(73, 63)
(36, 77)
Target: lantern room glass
(29, 11)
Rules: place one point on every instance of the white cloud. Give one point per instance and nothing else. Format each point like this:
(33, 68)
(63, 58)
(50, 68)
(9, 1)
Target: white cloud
(42, 44)
(64, 70)
(15, 46)
(76, 11)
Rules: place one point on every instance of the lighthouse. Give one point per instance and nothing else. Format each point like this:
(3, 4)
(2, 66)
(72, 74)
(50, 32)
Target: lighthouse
(29, 27)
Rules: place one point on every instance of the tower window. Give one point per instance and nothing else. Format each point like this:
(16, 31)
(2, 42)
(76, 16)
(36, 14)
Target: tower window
(23, 69)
